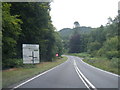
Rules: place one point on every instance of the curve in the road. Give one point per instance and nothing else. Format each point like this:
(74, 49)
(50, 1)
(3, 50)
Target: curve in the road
(74, 73)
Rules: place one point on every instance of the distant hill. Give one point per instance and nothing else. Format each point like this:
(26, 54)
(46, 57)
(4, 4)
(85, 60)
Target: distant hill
(67, 32)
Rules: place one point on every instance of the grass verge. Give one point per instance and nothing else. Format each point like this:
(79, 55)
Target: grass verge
(14, 75)
(100, 62)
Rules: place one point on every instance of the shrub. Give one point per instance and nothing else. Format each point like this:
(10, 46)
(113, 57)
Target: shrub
(114, 62)
(101, 52)
(10, 63)
(112, 54)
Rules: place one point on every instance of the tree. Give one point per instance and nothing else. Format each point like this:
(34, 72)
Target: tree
(93, 46)
(58, 44)
(11, 29)
(74, 44)
(110, 48)
(37, 27)
(76, 23)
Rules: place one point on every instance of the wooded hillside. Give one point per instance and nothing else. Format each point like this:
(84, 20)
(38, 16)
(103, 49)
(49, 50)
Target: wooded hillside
(101, 41)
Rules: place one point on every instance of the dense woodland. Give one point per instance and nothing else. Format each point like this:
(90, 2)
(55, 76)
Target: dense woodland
(28, 23)
(67, 34)
(101, 41)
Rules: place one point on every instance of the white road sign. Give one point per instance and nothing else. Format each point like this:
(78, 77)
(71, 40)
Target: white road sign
(30, 53)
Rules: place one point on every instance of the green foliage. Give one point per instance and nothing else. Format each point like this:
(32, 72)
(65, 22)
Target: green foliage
(65, 46)
(111, 44)
(37, 28)
(102, 44)
(112, 54)
(59, 45)
(11, 30)
(100, 62)
(94, 46)
(67, 33)
(110, 48)
(101, 41)
(28, 23)
(101, 52)
(10, 63)
(104, 41)
(115, 62)
(74, 44)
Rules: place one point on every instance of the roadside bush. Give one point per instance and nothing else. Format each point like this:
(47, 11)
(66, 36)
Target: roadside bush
(93, 53)
(109, 48)
(11, 63)
(112, 54)
(93, 46)
(111, 44)
(114, 62)
(101, 52)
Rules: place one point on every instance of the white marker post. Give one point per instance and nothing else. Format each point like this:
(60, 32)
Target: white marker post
(30, 53)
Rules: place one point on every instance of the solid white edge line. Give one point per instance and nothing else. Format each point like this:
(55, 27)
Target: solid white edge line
(84, 77)
(99, 68)
(37, 76)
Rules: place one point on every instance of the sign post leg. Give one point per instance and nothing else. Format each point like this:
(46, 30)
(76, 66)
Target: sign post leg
(33, 57)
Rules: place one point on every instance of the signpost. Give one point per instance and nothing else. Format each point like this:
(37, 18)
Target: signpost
(30, 53)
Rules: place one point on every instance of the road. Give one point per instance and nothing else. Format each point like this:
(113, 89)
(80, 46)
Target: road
(74, 73)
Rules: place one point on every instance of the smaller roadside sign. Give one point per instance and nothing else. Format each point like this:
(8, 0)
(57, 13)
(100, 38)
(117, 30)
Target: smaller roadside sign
(56, 54)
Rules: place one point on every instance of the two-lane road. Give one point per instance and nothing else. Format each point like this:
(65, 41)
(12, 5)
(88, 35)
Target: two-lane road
(74, 73)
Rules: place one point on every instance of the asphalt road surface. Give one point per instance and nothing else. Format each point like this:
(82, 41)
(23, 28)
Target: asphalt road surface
(74, 73)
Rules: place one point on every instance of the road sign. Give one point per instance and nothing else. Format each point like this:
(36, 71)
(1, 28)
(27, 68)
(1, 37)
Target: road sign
(56, 54)
(30, 53)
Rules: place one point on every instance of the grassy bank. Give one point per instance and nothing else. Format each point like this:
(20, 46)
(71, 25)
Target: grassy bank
(104, 63)
(14, 75)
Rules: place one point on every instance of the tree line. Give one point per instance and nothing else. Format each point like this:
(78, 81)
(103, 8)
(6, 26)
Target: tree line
(101, 41)
(28, 23)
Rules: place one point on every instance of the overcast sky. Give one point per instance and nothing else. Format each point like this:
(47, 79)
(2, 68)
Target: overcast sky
(91, 13)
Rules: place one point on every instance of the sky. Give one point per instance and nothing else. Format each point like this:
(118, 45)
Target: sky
(90, 13)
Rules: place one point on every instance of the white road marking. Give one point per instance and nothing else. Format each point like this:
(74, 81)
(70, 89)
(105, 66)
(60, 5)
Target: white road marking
(83, 78)
(98, 68)
(37, 76)
(80, 75)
